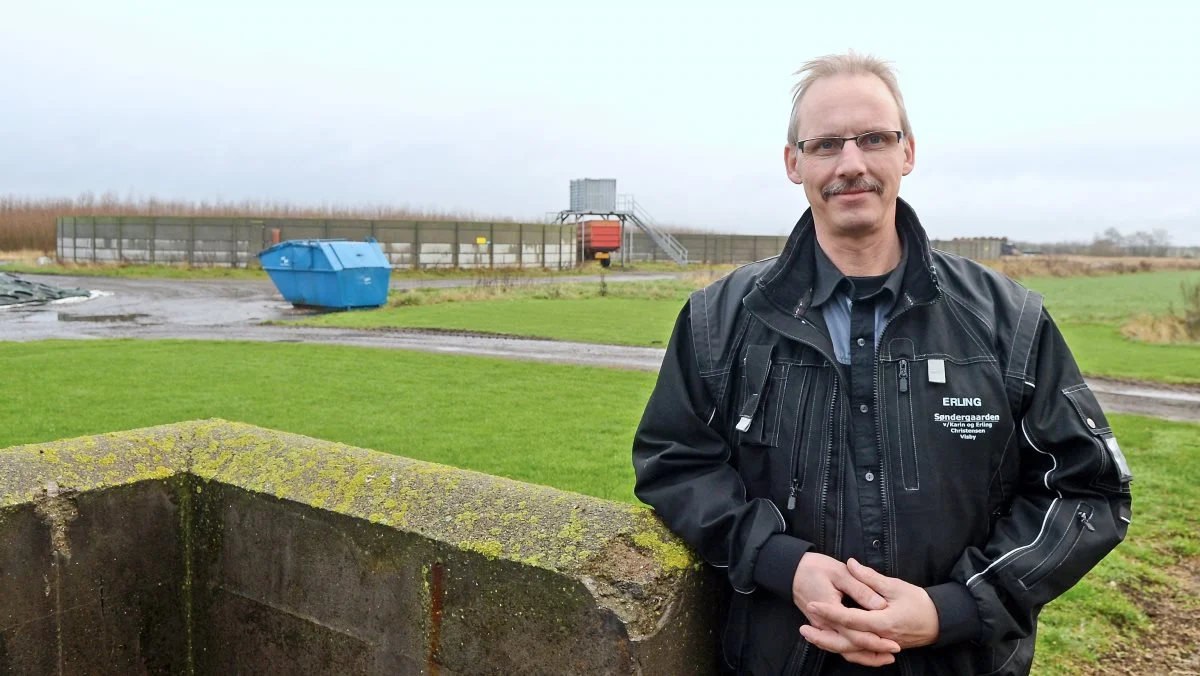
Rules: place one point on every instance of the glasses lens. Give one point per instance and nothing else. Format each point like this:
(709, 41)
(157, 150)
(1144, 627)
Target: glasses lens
(823, 147)
(878, 140)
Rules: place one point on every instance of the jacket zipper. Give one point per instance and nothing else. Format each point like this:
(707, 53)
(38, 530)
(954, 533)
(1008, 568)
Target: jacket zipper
(1083, 521)
(800, 657)
(828, 463)
(905, 426)
(795, 466)
(884, 475)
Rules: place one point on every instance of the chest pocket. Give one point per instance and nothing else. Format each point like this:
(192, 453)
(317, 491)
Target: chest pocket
(763, 384)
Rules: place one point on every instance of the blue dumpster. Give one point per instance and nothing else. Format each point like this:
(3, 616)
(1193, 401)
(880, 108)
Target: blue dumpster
(332, 273)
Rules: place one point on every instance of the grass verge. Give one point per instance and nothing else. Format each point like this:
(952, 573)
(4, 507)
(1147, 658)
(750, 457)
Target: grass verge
(1101, 350)
(135, 271)
(565, 426)
(630, 313)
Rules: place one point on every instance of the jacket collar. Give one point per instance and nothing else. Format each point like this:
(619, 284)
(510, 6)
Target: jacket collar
(789, 283)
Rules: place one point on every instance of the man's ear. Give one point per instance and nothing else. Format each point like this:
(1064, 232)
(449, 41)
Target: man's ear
(910, 155)
(791, 163)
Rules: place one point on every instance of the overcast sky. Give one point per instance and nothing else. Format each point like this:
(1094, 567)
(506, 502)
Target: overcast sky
(1039, 121)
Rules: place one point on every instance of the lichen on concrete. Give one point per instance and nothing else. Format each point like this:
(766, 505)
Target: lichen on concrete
(588, 539)
(89, 463)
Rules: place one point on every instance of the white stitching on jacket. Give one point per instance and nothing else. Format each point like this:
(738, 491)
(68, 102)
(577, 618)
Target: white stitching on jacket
(967, 306)
(1016, 332)
(1045, 520)
(1028, 350)
(782, 521)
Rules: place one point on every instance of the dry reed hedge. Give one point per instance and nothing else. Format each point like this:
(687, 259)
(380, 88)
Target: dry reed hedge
(28, 223)
(1019, 267)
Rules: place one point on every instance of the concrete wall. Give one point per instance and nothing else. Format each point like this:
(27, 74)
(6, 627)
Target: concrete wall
(72, 598)
(710, 248)
(218, 548)
(235, 241)
(975, 248)
(437, 244)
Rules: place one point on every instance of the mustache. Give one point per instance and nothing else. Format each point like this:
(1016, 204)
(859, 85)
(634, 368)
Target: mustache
(860, 184)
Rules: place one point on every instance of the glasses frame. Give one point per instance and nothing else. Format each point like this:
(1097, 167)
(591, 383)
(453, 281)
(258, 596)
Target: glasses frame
(899, 139)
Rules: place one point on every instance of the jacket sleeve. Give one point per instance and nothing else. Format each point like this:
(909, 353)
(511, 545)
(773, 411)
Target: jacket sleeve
(682, 467)
(1070, 504)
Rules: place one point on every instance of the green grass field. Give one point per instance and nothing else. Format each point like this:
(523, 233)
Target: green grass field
(1089, 310)
(629, 313)
(564, 426)
(612, 321)
(1111, 298)
(1101, 350)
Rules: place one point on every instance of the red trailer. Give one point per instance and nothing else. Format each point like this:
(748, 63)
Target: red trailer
(598, 239)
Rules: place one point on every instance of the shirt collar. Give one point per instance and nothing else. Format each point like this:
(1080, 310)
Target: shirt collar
(830, 280)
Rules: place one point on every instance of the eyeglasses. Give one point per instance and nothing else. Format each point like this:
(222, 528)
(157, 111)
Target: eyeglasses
(830, 146)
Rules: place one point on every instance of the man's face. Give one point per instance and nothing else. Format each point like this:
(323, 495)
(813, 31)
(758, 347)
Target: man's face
(852, 193)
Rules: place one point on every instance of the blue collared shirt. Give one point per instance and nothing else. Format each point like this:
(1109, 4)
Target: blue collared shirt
(833, 295)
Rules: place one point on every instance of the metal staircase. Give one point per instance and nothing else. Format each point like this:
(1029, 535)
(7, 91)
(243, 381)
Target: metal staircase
(634, 213)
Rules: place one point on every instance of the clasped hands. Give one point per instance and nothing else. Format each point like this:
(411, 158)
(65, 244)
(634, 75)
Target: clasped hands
(893, 614)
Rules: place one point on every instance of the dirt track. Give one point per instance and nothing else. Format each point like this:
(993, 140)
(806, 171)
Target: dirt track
(234, 310)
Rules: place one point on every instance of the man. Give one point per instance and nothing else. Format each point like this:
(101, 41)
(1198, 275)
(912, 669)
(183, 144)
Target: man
(888, 449)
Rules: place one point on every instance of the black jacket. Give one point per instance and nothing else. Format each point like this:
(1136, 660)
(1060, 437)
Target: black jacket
(1000, 484)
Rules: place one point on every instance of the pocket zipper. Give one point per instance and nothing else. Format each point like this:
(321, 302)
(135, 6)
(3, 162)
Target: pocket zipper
(903, 376)
(1083, 514)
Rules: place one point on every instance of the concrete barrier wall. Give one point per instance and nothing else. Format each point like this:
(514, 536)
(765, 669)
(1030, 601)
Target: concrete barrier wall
(407, 244)
(213, 548)
(235, 241)
(975, 248)
(73, 600)
(710, 248)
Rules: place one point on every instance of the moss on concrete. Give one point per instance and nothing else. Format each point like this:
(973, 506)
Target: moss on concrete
(498, 518)
(89, 463)
(669, 552)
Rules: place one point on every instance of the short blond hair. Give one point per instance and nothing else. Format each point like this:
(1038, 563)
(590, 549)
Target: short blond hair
(850, 63)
